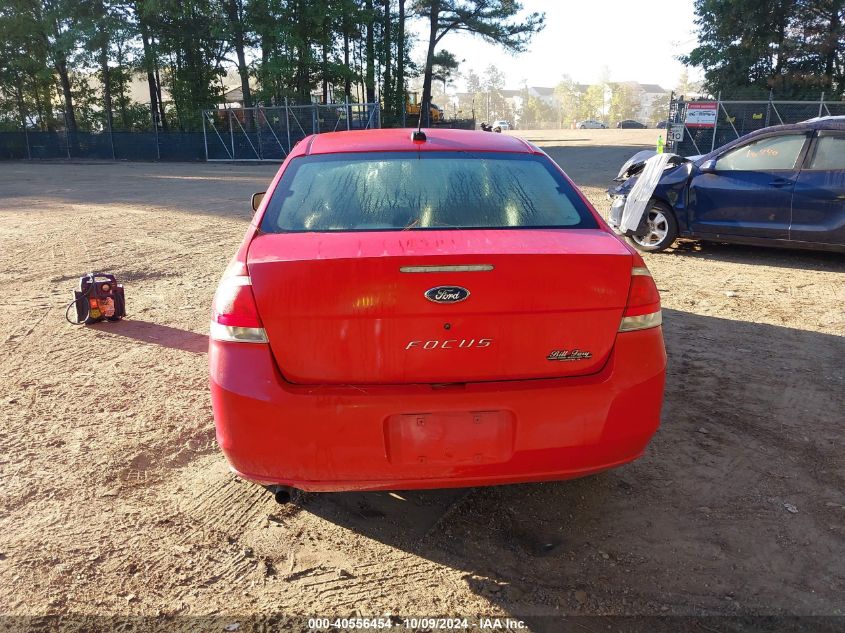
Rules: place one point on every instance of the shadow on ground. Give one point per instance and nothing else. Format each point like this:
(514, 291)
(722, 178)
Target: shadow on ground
(221, 188)
(591, 166)
(156, 334)
(792, 259)
(703, 524)
(208, 188)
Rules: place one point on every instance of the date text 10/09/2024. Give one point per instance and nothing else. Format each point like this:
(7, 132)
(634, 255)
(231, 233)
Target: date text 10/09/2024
(443, 624)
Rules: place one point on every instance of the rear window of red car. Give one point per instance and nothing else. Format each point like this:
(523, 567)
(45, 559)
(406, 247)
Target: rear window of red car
(423, 191)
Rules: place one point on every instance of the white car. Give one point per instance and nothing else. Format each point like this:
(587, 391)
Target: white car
(501, 125)
(590, 124)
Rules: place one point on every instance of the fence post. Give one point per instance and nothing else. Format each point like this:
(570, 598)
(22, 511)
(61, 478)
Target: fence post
(257, 124)
(204, 137)
(153, 118)
(821, 103)
(674, 146)
(287, 121)
(716, 123)
(315, 118)
(769, 109)
(348, 113)
(67, 138)
(26, 138)
(111, 137)
(231, 132)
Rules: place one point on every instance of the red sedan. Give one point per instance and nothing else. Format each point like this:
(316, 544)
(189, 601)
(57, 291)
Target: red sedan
(431, 312)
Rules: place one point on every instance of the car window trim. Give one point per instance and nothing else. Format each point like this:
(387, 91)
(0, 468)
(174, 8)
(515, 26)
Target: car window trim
(811, 154)
(799, 161)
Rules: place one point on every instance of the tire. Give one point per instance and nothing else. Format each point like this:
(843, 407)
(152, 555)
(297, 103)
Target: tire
(497, 129)
(663, 229)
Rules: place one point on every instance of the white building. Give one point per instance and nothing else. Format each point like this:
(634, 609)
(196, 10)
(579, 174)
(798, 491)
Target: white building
(652, 96)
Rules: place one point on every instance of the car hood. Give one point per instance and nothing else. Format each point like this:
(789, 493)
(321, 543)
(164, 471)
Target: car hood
(636, 163)
(675, 171)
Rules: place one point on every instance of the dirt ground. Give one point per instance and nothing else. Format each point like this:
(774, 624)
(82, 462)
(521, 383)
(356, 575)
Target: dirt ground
(115, 499)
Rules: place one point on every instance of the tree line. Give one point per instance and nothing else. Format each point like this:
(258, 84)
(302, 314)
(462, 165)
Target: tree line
(794, 48)
(70, 63)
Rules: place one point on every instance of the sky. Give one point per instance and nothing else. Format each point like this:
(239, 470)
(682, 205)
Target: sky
(635, 40)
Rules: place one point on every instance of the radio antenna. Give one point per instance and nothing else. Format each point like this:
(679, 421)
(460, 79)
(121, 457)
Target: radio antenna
(418, 135)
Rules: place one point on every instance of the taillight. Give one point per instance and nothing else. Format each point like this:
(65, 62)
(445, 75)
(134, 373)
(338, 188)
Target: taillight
(642, 310)
(234, 316)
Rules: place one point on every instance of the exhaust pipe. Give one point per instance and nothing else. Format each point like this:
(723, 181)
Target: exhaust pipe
(281, 494)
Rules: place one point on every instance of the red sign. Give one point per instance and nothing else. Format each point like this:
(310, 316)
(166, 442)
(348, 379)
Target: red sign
(702, 114)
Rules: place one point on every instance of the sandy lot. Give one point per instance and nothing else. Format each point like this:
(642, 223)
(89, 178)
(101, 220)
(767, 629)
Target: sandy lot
(115, 500)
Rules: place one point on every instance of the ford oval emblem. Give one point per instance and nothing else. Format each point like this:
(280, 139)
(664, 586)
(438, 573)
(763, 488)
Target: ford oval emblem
(447, 294)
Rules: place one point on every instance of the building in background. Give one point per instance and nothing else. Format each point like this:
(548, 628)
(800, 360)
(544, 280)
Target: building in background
(547, 107)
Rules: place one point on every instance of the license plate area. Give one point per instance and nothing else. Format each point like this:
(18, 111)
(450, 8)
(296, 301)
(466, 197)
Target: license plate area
(453, 437)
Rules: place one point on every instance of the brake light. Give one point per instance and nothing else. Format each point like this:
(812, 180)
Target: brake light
(234, 316)
(642, 310)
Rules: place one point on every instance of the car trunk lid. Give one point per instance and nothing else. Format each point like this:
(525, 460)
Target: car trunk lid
(361, 307)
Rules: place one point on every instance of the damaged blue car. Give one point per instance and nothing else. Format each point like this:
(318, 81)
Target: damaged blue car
(779, 186)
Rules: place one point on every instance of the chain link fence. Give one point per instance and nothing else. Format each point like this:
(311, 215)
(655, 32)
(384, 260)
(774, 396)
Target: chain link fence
(269, 134)
(222, 134)
(136, 135)
(728, 120)
(234, 134)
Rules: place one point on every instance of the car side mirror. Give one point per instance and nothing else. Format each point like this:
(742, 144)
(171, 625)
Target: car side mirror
(708, 166)
(256, 200)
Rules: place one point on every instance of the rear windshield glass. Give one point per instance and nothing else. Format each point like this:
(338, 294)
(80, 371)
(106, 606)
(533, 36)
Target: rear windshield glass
(423, 191)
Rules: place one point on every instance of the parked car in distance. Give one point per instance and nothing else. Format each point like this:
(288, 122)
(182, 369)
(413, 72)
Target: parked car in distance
(779, 186)
(662, 125)
(590, 124)
(443, 311)
(630, 124)
(500, 125)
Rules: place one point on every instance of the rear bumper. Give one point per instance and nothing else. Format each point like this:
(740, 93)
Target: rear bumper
(332, 438)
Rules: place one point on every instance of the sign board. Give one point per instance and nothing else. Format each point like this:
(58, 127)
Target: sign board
(676, 133)
(702, 114)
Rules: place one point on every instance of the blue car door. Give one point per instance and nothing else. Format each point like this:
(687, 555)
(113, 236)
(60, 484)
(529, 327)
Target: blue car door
(818, 202)
(748, 191)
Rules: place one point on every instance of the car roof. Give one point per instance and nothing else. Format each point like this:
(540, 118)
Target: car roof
(823, 123)
(399, 139)
(834, 118)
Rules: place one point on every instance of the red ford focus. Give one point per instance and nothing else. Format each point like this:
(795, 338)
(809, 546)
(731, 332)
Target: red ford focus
(431, 313)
